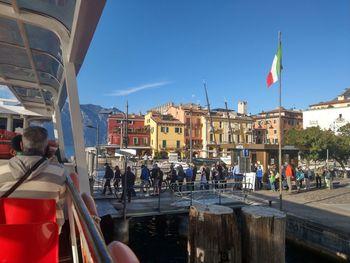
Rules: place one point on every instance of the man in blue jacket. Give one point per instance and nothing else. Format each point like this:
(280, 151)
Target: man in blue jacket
(145, 179)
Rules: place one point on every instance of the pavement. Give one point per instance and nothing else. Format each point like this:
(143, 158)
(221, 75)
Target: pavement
(330, 208)
(168, 203)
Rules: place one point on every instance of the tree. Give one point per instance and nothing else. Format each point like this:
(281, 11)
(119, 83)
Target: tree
(315, 142)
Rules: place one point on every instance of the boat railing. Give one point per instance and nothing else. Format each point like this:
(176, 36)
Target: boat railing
(92, 244)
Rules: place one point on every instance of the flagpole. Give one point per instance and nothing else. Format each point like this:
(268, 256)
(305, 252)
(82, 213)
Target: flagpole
(280, 123)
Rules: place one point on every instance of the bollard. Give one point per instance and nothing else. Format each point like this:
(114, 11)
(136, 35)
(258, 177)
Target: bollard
(213, 235)
(264, 235)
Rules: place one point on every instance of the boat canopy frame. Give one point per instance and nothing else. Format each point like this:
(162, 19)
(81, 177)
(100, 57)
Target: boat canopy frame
(42, 47)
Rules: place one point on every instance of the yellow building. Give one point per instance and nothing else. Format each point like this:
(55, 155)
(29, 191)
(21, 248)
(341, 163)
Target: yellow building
(230, 132)
(166, 134)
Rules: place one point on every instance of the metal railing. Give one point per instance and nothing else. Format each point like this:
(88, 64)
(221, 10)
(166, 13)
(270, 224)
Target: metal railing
(93, 247)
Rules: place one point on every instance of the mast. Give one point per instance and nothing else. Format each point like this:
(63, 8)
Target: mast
(279, 121)
(211, 119)
(229, 122)
(191, 146)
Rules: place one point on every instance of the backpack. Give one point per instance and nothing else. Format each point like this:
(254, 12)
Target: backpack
(160, 175)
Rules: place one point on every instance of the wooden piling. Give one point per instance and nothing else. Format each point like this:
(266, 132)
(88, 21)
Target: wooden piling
(263, 234)
(213, 235)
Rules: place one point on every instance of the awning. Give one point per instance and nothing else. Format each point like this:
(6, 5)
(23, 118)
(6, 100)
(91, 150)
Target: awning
(42, 46)
(37, 39)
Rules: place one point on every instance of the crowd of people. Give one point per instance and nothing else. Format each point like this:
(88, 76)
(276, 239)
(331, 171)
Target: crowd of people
(298, 176)
(176, 177)
(215, 176)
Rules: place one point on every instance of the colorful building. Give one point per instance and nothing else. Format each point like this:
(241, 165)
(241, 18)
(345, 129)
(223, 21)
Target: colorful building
(138, 134)
(191, 116)
(231, 131)
(166, 134)
(266, 125)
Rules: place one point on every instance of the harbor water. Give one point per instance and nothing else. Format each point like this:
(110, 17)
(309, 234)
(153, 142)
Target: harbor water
(163, 239)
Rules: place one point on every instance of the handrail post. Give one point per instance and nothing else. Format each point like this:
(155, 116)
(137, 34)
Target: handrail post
(79, 213)
(73, 237)
(191, 192)
(160, 190)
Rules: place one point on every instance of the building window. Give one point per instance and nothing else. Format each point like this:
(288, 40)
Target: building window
(164, 144)
(3, 123)
(178, 144)
(178, 130)
(145, 141)
(229, 138)
(164, 129)
(275, 131)
(211, 137)
(136, 140)
(220, 138)
(220, 124)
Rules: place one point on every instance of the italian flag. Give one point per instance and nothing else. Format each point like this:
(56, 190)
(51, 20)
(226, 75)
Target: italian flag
(275, 71)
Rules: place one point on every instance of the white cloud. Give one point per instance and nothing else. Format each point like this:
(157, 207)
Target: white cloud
(125, 92)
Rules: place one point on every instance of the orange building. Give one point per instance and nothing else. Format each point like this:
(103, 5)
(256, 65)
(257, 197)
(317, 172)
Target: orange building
(266, 125)
(190, 115)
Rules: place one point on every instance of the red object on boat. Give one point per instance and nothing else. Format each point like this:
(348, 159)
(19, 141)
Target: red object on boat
(30, 243)
(5, 143)
(23, 210)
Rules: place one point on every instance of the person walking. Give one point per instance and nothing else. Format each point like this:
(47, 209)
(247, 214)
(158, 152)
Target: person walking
(328, 177)
(157, 176)
(299, 177)
(214, 176)
(116, 178)
(180, 176)
(189, 174)
(308, 177)
(145, 180)
(272, 178)
(129, 176)
(203, 182)
(318, 180)
(289, 176)
(108, 176)
(173, 178)
(259, 176)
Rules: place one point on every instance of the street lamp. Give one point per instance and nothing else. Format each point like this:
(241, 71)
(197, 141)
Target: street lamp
(93, 127)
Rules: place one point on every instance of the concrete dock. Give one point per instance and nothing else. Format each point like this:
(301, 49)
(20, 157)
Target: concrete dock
(318, 219)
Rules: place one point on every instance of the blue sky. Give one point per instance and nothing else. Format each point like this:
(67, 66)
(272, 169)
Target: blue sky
(150, 52)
